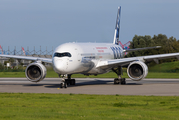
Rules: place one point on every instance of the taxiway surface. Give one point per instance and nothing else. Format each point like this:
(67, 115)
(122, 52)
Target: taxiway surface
(157, 87)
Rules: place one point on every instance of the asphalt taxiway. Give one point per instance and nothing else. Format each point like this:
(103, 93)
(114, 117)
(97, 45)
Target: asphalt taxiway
(103, 86)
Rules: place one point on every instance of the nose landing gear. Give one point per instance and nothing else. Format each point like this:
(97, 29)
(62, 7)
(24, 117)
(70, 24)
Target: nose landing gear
(63, 85)
(67, 81)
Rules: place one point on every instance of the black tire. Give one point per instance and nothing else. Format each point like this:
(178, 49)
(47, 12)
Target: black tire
(61, 85)
(65, 85)
(72, 82)
(123, 82)
(116, 81)
(67, 81)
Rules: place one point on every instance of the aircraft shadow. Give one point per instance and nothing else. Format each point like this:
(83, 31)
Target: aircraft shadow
(82, 83)
(33, 84)
(87, 83)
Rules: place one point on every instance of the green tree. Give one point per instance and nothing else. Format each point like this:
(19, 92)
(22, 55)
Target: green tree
(11, 60)
(169, 45)
(5, 62)
(1, 67)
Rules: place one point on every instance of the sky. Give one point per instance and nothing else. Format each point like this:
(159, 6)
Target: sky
(49, 23)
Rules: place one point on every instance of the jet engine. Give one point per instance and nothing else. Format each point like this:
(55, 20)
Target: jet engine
(137, 70)
(35, 72)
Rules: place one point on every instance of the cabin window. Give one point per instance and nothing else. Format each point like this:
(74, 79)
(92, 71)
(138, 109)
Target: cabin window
(65, 54)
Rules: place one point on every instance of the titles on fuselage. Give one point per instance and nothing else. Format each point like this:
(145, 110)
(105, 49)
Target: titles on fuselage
(116, 52)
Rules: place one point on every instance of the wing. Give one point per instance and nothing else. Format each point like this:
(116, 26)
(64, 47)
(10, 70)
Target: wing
(47, 60)
(106, 64)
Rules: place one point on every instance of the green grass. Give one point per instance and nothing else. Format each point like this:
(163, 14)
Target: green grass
(52, 74)
(166, 67)
(12, 74)
(163, 75)
(26, 106)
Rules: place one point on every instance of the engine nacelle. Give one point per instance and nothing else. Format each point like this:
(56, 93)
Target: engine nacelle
(137, 70)
(35, 72)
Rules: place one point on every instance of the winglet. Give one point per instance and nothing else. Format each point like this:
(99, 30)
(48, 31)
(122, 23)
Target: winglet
(116, 32)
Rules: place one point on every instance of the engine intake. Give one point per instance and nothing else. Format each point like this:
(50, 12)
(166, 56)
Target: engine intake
(137, 70)
(35, 72)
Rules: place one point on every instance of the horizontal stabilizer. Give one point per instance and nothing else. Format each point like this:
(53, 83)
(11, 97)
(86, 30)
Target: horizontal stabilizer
(137, 49)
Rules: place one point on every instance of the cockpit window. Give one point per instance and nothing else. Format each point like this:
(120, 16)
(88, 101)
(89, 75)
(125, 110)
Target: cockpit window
(65, 54)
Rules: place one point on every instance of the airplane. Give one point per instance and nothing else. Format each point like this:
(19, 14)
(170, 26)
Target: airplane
(1, 50)
(23, 51)
(91, 59)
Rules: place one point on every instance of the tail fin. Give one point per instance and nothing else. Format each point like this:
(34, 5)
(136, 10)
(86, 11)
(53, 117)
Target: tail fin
(23, 51)
(116, 33)
(1, 50)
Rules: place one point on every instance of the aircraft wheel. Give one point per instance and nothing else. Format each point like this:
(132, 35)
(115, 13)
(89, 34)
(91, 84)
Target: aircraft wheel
(67, 81)
(61, 85)
(72, 82)
(65, 85)
(116, 81)
(123, 81)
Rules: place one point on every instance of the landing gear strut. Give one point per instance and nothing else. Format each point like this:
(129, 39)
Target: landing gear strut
(67, 81)
(63, 83)
(118, 80)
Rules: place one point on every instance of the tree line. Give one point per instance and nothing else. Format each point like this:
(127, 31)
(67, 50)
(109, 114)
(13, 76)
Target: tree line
(168, 45)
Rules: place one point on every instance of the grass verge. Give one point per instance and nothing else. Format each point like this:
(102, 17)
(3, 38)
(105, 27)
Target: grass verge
(26, 106)
(52, 74)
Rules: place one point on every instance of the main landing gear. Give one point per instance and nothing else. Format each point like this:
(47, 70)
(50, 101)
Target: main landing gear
(67, 81)
(118, 80)
(121, 80)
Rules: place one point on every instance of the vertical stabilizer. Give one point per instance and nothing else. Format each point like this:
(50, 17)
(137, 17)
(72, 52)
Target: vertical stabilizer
(23, 51)
(1, 50)
(116, 33)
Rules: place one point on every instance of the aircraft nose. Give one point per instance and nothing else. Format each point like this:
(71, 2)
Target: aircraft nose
(58, 65)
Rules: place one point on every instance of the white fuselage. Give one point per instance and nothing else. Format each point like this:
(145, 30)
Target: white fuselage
(73, 58)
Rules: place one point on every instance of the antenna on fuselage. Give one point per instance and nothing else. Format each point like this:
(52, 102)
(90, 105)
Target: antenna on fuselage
(116, 32)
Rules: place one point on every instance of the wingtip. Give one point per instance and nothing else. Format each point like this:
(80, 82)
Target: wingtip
(158, 46)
